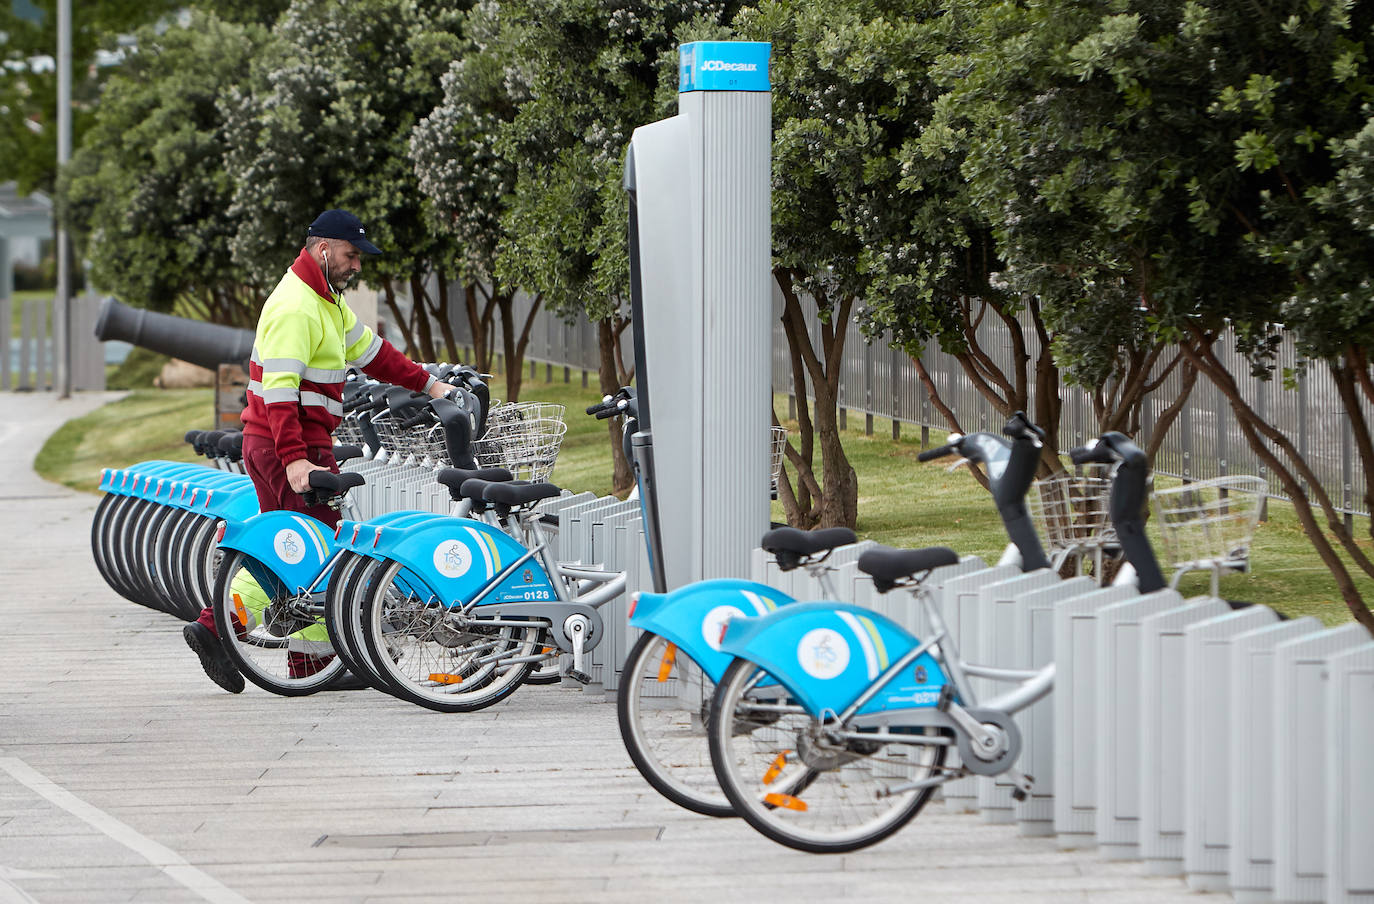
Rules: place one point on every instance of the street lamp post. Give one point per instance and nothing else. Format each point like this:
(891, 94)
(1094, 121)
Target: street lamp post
(63, 309)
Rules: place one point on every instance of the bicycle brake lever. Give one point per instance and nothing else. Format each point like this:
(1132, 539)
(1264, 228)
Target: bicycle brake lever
(960, 463)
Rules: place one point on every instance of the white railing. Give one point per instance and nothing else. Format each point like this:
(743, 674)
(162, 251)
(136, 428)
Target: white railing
(29, 350)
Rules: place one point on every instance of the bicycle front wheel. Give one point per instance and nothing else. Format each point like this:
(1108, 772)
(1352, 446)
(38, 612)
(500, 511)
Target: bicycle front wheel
(272, 643)
(808, 785)
(663, 703)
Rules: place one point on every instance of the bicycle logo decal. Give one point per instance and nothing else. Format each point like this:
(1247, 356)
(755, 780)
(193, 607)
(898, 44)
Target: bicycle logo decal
(452, 559)
(714, 623)
(289, 546)
(823, 653)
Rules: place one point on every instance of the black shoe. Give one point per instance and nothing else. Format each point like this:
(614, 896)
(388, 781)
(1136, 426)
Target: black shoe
(347, 682)
(213, 659)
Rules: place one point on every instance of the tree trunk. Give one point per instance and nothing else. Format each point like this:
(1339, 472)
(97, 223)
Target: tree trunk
(833, 501)
(622, 476)
(419, 308)
(441, 314)
(514, 347)
(1296, 477)
(479, 322)
(402, 324)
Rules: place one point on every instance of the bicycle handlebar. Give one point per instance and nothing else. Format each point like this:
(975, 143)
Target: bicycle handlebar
(1127, 502)
(1020, 456)
(620, 402)
(328, 488)
(938, 452)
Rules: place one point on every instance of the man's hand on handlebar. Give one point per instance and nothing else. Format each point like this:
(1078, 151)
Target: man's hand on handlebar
(441, 389)
(298, 474)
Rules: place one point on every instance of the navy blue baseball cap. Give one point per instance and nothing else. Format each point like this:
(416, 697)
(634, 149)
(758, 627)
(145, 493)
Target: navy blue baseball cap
(340, 224)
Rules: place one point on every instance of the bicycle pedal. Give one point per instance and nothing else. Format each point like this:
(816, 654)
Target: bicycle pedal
(579, 677)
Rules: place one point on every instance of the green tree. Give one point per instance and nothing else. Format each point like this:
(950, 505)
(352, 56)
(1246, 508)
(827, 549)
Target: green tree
(468, 185)
(1167, 171)
(588, 73)
(28, 80)
(325, 121)
(147, 192)
(867, 228)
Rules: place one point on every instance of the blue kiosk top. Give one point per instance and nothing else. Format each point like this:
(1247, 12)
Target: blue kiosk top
(724, 66)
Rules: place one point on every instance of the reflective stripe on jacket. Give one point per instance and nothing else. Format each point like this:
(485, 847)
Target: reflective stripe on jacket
(305, 343)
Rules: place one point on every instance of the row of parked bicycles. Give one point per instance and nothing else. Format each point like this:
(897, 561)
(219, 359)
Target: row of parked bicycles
(736, 698)
(828, 726)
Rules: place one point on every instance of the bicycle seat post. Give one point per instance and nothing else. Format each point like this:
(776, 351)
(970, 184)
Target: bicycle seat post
(820, 572)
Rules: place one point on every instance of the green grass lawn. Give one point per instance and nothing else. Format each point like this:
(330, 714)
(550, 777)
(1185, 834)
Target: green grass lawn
(902, 502)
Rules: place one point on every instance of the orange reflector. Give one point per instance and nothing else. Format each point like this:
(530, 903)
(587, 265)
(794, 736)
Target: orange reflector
(776, 769)
(445, 678)
(669, 657)
(240, 611)
(785, 801)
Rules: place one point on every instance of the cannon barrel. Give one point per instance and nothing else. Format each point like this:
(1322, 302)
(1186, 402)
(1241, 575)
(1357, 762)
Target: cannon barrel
(206, 344)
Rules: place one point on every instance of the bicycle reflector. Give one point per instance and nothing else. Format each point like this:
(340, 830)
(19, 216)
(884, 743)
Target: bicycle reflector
(219, 531)
(634, 601)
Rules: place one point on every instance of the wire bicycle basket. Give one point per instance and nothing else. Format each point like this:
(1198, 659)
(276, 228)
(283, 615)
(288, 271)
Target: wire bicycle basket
(1070, 511)
(522, 437)
(1209, 524)
(777, 443)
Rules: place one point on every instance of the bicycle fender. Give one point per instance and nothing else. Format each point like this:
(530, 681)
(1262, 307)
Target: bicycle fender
(459, 557)
(692, 617)
(233, 503)
(138, 480)
(827, 654)
(358, 536)
(295, 547)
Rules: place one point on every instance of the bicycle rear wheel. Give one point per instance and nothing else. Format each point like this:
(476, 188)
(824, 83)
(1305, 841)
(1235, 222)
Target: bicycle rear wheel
(801, 783)
(427, 657)
(663, 704)
(260, 630)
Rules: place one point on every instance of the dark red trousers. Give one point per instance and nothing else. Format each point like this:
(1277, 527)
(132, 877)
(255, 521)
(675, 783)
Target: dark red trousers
(274, 493)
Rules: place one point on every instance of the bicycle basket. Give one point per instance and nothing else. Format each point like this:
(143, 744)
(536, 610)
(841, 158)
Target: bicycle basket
(777, 443)
(1209, 522)
(348, 433)
(426, 444)
(1070, 510)
(522, 437)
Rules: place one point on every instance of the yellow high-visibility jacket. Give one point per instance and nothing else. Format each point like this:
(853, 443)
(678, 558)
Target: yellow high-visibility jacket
(307, 338)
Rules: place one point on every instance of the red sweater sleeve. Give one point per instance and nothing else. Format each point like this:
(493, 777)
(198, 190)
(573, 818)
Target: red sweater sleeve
(390, 366)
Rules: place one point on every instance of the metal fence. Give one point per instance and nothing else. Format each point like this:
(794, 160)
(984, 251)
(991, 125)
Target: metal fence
(1205, 441)
(29, 349)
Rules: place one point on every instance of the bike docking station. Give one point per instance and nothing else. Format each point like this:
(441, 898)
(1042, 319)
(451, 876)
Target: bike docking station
(700, 270)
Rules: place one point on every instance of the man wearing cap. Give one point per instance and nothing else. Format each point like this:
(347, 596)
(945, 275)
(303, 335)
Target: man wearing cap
(307, 338)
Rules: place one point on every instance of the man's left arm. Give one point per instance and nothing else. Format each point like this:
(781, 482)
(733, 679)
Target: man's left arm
(383, 361)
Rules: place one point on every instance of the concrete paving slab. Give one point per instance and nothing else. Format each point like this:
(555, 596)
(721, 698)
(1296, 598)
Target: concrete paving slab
(132, 778)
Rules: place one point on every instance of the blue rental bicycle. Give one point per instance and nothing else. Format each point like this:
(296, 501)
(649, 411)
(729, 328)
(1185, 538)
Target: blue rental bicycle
(830, 729)
(671, 672)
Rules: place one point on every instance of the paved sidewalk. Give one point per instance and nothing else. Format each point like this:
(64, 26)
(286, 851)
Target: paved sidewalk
(125, 775)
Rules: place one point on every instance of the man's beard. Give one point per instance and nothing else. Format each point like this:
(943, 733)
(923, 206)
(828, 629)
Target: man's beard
(341, 277)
